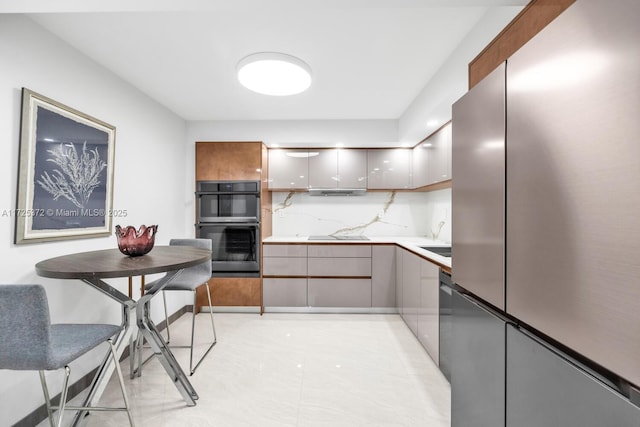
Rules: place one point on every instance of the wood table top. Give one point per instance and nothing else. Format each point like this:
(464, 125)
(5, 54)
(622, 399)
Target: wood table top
(109, 263)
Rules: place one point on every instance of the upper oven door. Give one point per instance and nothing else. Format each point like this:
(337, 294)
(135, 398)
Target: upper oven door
(228, 201)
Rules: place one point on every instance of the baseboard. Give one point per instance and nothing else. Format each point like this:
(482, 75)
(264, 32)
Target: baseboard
(333, 310)
(231, 309)
(40, 414)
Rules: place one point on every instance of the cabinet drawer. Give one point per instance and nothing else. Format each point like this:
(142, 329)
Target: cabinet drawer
(284, 292)
(284, 266)
(339, 292)
(337, 267)
(284, 251)
(340, 251)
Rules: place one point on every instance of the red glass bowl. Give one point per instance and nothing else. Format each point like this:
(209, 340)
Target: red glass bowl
(134, 242)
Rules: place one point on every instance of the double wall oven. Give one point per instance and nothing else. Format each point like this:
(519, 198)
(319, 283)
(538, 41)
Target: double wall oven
(228, 213)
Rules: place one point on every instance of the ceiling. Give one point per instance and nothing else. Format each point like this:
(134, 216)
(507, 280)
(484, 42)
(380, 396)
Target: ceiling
(370, 58)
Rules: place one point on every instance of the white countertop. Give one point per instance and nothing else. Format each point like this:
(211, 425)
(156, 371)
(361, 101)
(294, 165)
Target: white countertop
(408, 242)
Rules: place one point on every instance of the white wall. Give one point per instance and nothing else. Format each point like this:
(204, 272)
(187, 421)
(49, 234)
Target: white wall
(433, 102)
(301, 133)
(149, 142)
(452, 79)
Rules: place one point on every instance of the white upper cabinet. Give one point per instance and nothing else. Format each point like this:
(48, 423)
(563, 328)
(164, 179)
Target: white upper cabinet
(362, 168)
(420, 160)
(289, 169)
(338, 168)
(352, 168)
(389, 168)
(432, 159)
(439, 164)
(323, 169)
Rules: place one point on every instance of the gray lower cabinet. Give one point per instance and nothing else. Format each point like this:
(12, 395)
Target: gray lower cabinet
(339, 251)
(545, 389)
(383, 276)
(284, 250)
(410, 289)
(290, 263)
(339, 276)
(399, 275)
(339, 267)
(284, 260)
(284, 266)
(417, 299)
(332, 276)
(428, 309)
(284, 292)
(339, 292)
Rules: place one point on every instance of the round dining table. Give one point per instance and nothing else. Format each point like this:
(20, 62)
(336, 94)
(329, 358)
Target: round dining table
(95, 266)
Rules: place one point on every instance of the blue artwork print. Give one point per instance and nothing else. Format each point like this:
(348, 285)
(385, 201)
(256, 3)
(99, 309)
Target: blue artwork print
(69, 173)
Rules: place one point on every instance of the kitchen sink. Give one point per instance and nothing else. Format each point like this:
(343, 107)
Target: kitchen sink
(444, 251)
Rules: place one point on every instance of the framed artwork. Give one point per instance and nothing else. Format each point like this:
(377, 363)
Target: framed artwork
(65, 174)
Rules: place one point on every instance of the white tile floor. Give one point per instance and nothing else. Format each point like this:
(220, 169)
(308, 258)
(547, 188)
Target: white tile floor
(293, 370)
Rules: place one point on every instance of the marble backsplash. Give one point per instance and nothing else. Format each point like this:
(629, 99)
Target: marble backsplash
(377, 213)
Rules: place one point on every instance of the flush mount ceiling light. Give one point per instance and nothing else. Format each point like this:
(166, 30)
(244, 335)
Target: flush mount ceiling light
(272, 73)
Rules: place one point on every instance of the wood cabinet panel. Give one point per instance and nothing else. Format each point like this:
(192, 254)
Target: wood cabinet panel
(232, 291)
(228, 161)
(266, 210)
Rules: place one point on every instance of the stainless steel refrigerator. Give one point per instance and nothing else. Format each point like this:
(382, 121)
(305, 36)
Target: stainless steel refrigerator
(573, 183)
(546, 227)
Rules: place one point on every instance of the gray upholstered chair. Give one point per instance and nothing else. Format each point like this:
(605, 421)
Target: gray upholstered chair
(28, 341)
(189, 280)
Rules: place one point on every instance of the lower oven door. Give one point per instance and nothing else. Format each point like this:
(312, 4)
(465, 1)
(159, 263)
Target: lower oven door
(235, 247)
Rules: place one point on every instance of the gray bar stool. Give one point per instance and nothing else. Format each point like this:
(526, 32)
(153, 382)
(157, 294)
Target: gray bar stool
(29, 342)
(189, 280)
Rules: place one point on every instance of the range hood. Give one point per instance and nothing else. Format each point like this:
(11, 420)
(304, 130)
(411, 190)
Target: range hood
(337, 191)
